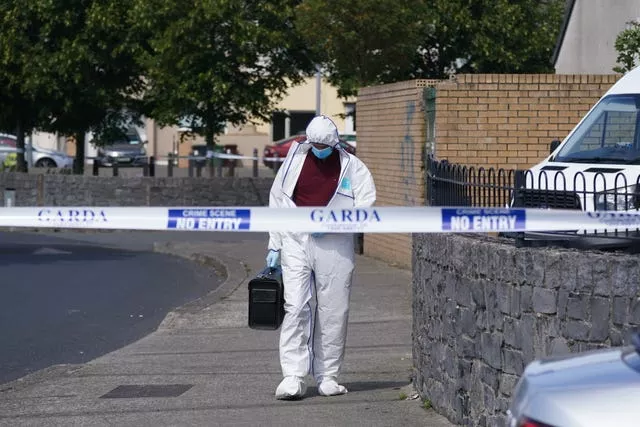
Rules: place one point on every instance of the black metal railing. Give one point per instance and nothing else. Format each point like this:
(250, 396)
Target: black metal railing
(190, 165)
(606, 188)
(450, 184)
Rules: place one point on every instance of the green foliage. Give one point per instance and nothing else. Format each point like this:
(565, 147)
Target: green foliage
(510, 36)
(22, 104)
(628, 47)
(93, 58)
(218, 61)
(362, 42)
(365, 42)
(426, 404)
(77, 66)
(70, 63)
(490, 36)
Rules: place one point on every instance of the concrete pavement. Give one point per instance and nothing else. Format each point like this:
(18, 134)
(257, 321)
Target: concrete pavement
(204, 366)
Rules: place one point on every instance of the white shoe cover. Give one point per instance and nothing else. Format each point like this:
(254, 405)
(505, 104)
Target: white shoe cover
(291, 388)
(330, 387)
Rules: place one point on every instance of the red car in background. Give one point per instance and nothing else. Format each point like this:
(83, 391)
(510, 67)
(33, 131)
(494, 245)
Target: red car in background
(281, 148)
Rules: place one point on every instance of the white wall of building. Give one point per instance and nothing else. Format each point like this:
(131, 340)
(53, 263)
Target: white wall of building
(588, 46)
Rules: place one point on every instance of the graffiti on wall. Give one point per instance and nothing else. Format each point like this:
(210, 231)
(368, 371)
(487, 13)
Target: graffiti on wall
(406, 157)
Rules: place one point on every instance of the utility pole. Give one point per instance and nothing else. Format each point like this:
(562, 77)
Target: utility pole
(318, 90)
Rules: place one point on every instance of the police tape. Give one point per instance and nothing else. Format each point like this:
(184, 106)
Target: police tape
(310, 220)
(239, 157)
(229, 157)
(223, 156)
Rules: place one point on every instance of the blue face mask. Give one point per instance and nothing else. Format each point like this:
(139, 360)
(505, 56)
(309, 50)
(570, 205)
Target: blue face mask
(322, 154)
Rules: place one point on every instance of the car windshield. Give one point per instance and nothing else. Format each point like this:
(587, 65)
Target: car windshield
(608, 134)
(117, 137)
(288, 139)
(132, 138)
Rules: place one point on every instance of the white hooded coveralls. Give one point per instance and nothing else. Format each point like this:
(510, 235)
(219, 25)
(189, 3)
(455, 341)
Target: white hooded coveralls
(313, 335)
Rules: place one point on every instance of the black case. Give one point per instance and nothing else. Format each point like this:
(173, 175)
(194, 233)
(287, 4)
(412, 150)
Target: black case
(266, 300)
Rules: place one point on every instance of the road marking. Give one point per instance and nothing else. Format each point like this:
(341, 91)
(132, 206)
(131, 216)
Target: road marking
(50, 251)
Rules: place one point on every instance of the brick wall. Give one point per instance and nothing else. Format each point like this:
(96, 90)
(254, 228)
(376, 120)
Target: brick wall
(509, 121)
(391, 134)
(490, 120)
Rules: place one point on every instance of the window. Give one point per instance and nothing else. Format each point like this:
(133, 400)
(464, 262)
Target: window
(350, 117)
(188, 123)
(285, 124)
(609, 133)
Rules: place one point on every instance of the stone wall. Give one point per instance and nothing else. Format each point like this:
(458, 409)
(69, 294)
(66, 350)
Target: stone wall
(77, 190)
(483, 309)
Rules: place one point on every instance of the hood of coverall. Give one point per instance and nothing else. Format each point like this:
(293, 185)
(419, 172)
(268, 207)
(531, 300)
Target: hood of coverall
(322, 130)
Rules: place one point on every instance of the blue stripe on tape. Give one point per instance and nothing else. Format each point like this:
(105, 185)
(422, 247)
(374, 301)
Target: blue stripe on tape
(209, 219)
(483, 219)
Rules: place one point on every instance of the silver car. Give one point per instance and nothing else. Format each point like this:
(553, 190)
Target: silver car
(589, 389)
(128, 150)
(40, 157)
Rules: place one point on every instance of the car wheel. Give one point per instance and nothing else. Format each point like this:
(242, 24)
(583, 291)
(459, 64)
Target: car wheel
(46, 163)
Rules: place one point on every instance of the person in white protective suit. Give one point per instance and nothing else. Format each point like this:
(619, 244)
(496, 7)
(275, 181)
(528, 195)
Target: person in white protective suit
(317, 268)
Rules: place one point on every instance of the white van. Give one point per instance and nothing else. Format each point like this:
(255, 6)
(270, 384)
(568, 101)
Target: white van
(597, 166)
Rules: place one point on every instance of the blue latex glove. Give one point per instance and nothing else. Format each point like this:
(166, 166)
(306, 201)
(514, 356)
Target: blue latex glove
(273, 258)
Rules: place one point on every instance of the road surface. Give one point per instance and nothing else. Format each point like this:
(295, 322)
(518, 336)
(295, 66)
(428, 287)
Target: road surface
(71, 297)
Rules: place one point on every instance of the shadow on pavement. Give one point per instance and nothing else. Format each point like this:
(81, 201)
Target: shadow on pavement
(37, 254)
(373, 385)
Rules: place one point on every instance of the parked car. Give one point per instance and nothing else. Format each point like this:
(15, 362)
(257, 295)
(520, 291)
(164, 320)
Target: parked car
(126, 151)
(281, 148)
(40, 157)
(589, 389)
(200, 150)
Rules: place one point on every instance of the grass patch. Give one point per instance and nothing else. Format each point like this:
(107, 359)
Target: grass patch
(426, 404)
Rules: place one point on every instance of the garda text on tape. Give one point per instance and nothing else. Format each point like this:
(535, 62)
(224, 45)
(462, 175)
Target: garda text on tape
(385, 219)
(344, 220)
(70, 216)
(483, 219)
(209, 219)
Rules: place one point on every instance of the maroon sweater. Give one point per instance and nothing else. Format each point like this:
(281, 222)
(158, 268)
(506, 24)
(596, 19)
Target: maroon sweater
(318, 180)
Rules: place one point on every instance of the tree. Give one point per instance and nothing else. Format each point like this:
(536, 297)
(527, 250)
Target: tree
(218, 61)
(92, 60)
(511, 36)
(628, 47)
(22, 106)
(69, 65)
(369, 42)
(362, 42)
(20, 114)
